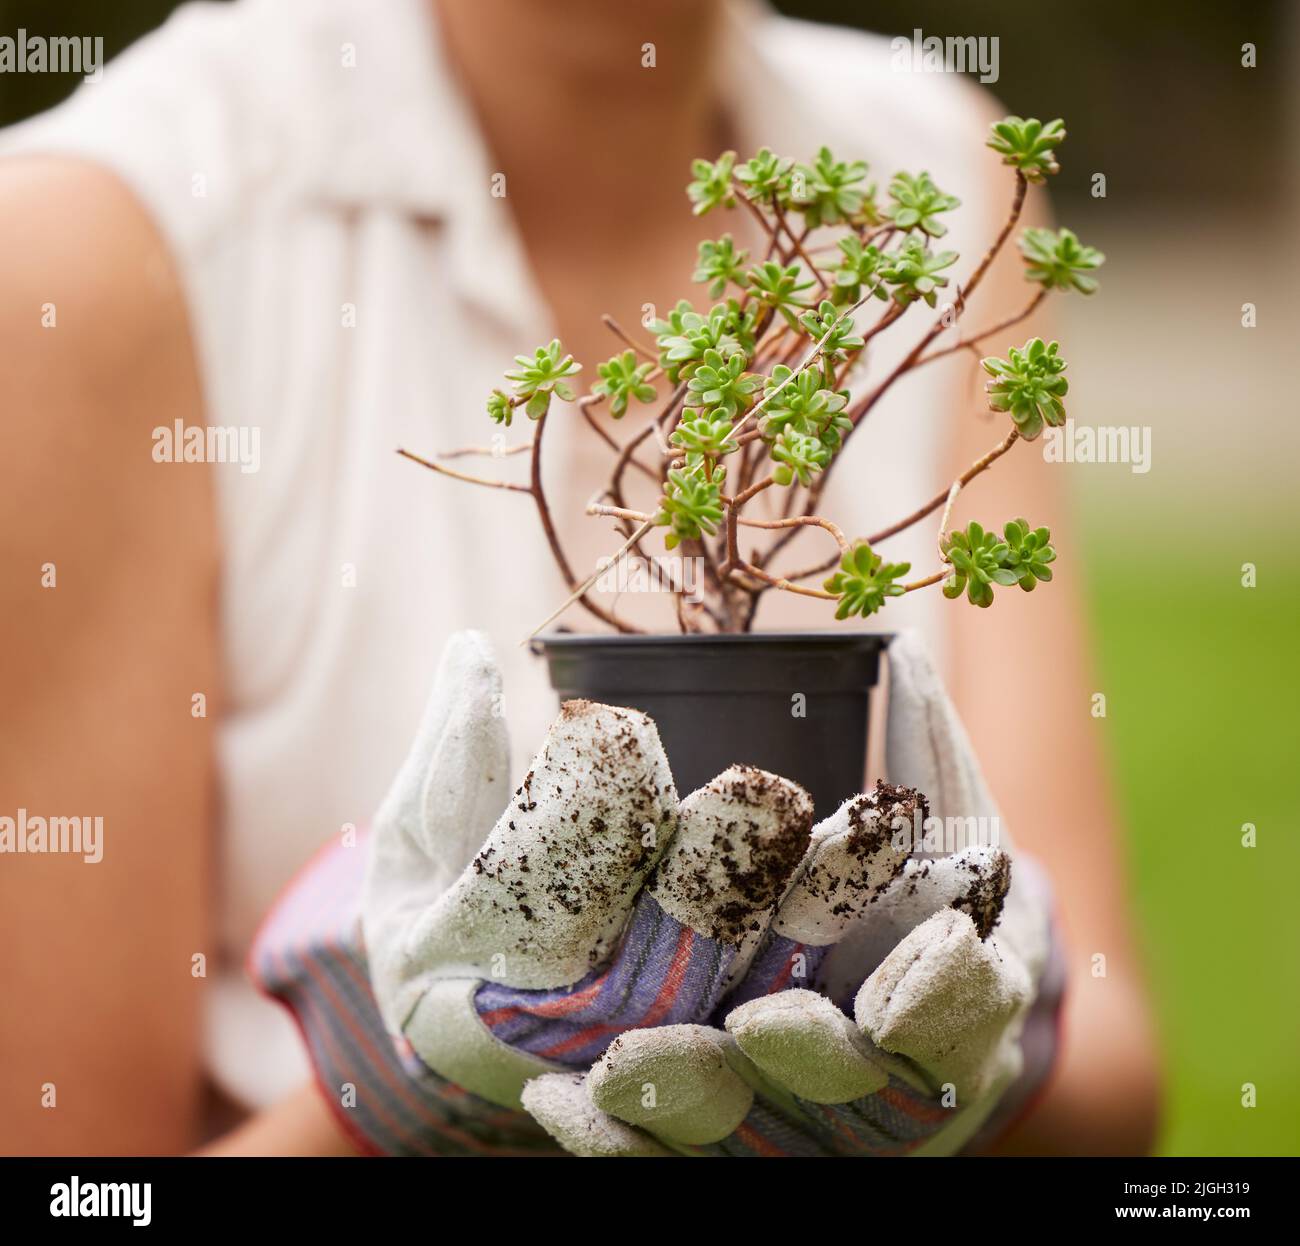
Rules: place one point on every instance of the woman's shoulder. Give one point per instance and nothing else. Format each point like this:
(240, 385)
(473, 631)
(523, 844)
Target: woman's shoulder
(230, 110)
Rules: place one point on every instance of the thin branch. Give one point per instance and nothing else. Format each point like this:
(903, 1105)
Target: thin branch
(859, 412)
(881, 231)
(773, 581)
(675, 405)
(929, 579)
(895, 311)
(753, 491)
(493, 452)
(654, 428)
(733, 514)
(969, 342)
(921, 512)
(618, 331)
(811, 521)
(821, 568)
(1017, 203)
(943, 520)
(773, 233)
(553, 539)
(617, 512)
(766, 352)
(544, 511)
(585, 404)
(581, 589)
(700, 548)
(455, 475)
(980, 465)
(798, 247)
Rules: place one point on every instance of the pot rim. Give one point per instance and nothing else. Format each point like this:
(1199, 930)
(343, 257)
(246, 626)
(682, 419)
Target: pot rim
(722, 640)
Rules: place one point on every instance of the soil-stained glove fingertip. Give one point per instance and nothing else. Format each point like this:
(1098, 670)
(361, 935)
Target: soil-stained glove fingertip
(740, 838)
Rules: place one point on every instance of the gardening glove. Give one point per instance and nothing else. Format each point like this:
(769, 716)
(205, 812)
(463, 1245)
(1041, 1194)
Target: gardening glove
(502, 945)
(938, 1024)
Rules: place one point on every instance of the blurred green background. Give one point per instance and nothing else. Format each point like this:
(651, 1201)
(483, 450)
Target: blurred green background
(1200, 673)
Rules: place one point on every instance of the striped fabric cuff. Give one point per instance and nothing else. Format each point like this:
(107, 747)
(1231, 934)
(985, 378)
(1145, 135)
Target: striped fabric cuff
(664, 973)
(894, 1121)
(308, 955)
(780, 965)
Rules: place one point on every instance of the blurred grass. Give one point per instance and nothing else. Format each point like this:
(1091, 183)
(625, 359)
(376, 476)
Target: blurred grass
(1201, 683)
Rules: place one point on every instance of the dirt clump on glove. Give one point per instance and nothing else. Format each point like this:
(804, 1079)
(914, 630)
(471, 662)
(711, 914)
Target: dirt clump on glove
(988, 889)
(740, 840)
(873, 820)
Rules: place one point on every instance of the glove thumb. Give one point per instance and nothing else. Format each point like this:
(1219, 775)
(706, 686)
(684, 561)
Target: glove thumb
(440, 808)
(455, 780)
(926, 746)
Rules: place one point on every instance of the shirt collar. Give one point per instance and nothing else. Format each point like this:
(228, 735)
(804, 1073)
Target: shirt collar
(409, 141)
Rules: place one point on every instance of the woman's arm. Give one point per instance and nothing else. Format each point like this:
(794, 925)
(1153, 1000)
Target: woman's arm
(107, 596)
(301, 1124)
(98, 673)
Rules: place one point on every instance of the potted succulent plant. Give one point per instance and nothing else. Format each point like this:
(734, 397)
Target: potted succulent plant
(760, 391)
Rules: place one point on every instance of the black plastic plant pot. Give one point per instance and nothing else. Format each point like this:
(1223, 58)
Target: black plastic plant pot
(792, 703)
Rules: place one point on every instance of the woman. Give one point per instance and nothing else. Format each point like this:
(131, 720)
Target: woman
(286, 216)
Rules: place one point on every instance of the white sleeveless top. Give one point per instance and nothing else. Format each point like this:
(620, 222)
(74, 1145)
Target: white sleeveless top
(353, 286)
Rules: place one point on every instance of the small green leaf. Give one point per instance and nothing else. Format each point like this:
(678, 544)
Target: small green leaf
(778, 287)
(690, 507)
(1028, 145)
(1028, 384)
(1057, 260)
(915, 272)
(979, 560)
(917, 202)
(831, 191)
(864, 583)
(834, 329)
(621, 380)
(535, 379)
(719, 263)
(721, 386)
(500, 408)
(712, 185)
(767, 177)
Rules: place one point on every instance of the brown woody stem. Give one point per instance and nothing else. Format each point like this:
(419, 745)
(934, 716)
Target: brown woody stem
(455, 475)
(553, 540)
(811, 521)
(859, 412)
(486, 452)
(940, 499)
(623, 335)
(773, 581)
(969, 342)
(929, 579)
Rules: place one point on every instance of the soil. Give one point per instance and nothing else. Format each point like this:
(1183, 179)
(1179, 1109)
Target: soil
(983, 902)
(873, 818)
(741, 872)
